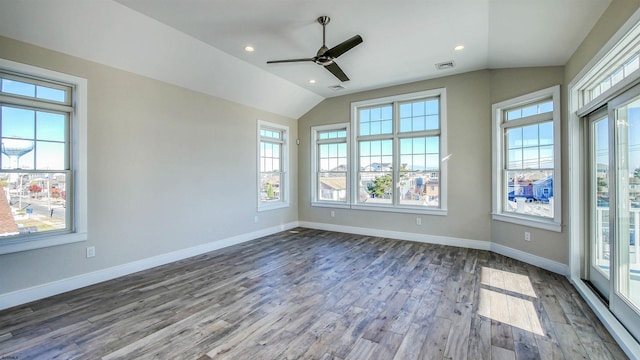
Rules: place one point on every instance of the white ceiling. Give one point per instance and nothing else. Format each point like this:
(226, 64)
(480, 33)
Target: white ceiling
(403, 40)
(199, 44)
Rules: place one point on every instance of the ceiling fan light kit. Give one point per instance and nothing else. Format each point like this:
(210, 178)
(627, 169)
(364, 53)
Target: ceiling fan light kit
(325, 56)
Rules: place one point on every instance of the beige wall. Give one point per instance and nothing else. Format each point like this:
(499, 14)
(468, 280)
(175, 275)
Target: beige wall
(168, 169)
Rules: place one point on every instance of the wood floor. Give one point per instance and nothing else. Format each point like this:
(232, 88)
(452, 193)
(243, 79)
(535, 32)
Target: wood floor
(309, 294)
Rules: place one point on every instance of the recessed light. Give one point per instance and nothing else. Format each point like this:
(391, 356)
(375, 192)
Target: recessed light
(459, 47)
(312, 81)
(249, 48)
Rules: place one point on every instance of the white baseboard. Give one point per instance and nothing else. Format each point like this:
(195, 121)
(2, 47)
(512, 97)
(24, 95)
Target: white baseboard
(535, 260)
(424, 238)
(57, 287)
(544, 263)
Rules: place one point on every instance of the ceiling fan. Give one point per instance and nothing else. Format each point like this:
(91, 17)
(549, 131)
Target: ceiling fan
(325, 56)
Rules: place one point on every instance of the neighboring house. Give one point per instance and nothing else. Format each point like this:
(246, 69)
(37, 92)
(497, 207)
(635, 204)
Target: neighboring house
(333, 188)
(543, 189)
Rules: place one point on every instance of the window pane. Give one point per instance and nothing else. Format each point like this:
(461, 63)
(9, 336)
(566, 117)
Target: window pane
(617, 76)
(405, 124)
(406, 146)
(529, 110)
(530, 135)
(376, 114)
(365, 148)
(419, 145)
(529, 192)
(332, 186)
(514, 159)
(379, 157)
(50, 126)
(432, 107)
(365, 129)
(545, 107)
(37, 202)
(18, 123)
(530, 158)
(419, 123)
(514, 138)
(546, 157)
(387, 127)
(433, 162)
(432, 122)
(47, 93)
(405, 110)
(378, 186)
(17, 154)
(433, 145)
(376, 128)
(270, 186)
(342, 150)
(418, 108)
(419, 116)
(514, 114)
(631, 66)
(50, 156)
(18, 88)
(419, 188)
(546, 133)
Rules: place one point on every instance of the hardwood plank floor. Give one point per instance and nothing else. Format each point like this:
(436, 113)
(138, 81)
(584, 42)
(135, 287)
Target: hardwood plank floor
(309, 294)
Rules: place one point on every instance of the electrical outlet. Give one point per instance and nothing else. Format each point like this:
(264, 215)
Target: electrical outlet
(418, 221)
(255, 219)
(527, 236)
(91, 251)
(333, 213)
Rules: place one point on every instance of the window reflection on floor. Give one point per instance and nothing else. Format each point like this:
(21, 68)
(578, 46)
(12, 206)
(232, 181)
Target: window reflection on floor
(513, 305)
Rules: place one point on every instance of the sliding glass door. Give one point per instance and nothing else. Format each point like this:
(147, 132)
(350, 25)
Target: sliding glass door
(614, 198)
(625, 302)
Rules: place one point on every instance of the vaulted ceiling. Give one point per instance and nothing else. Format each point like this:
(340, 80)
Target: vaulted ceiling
(199, 44)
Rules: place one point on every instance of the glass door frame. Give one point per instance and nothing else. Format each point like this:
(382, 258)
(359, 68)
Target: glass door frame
(598, 278)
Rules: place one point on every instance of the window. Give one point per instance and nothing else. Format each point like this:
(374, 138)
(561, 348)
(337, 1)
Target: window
(272, 161)
(42, 160)
(398, 146)
(527, 159)
(330, 165)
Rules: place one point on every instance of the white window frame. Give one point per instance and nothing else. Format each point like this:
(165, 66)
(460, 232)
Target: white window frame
(440, 93)
(315, 167)
(499, 157)
(78, 154)
(283, 202)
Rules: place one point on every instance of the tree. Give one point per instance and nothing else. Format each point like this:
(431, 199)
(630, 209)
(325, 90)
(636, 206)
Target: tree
(269, 191)
(35, 188)
(380, 186)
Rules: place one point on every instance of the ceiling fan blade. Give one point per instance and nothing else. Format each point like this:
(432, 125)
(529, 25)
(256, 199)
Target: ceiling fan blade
(335, 70)
(343, 47)
(289, 60)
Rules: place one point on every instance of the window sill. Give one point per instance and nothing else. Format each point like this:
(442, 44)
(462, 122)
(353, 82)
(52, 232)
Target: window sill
(331, 204)
(18, 245)
(272, 206)
(396, 209)
(528, 221)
